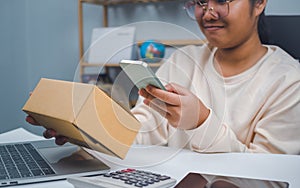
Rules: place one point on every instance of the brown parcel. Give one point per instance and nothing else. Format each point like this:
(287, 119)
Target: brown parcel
(83, 113)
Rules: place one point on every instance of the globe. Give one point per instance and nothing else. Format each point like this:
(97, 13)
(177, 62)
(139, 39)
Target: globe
(152, 51)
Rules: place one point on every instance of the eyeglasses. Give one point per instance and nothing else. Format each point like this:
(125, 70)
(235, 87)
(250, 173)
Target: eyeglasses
(197, 8)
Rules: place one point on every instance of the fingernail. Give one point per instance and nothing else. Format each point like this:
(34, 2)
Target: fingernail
(51, 132)
(146, 101)
(46, 134)
(60, 140)
(140, 92)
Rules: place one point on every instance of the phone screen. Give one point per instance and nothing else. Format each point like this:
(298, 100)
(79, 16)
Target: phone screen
(140, 74)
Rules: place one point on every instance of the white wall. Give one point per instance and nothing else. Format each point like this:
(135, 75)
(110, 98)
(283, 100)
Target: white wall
(279, 7)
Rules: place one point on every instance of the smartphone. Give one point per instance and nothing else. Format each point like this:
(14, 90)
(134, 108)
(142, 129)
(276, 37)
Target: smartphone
(140, 74)
(196, 180)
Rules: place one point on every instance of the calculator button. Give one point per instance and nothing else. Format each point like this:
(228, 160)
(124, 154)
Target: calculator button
(133, 180)
(106, 175)
(164, 177)
(150, 181)
(129, 182)
(138, 184)
(124, 178)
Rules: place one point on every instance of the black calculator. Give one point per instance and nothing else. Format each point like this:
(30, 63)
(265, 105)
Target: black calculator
(127, 178)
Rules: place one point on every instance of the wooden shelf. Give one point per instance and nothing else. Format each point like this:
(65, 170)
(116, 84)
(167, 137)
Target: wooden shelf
(173, 43)
(105, 4)
(85, 64)
(110, 66)
(117, 2)
(170, 43)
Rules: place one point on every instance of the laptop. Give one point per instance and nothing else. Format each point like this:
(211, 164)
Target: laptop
(41, 161)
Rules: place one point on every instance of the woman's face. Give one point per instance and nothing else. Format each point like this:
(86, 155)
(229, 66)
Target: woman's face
(238, 27)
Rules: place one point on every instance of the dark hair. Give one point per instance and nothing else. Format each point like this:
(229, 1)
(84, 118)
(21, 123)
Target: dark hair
(263, 31)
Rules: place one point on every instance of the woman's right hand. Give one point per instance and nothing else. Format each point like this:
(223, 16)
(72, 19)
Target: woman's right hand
(49, 133)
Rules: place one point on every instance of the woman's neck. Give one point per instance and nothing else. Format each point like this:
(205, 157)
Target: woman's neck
(233, 61)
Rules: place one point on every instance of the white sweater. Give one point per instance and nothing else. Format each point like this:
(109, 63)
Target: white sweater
(255, 111)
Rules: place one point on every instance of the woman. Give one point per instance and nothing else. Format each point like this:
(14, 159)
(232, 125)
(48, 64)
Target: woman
(232, 95)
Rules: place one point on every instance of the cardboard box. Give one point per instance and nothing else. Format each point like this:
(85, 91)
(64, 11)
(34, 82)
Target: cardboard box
(85, 114)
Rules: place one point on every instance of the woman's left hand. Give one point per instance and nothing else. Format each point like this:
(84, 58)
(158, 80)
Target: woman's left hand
(181, 107)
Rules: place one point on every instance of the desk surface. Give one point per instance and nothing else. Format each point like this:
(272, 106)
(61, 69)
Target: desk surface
(177, 163)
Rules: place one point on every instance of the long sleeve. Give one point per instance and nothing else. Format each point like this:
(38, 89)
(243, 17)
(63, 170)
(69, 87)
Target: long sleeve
(274, 129)
(154, 127)
(260, 114)
(256, 111)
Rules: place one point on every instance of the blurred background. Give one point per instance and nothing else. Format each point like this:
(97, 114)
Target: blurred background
(39, 38)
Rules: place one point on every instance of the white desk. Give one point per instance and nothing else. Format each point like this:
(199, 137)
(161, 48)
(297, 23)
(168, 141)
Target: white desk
(177, 163)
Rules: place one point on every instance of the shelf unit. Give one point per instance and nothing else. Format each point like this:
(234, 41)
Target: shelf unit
(105, 4)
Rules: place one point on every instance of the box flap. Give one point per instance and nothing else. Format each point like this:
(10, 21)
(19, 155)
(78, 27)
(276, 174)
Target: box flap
(58, 99)
(108, 123)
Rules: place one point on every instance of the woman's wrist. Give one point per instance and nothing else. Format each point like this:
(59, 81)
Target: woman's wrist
(203, 115)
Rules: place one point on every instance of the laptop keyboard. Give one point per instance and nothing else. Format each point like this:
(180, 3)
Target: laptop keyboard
(22, 160)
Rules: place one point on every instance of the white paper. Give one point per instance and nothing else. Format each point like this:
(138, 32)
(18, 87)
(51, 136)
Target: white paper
(111, 45)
